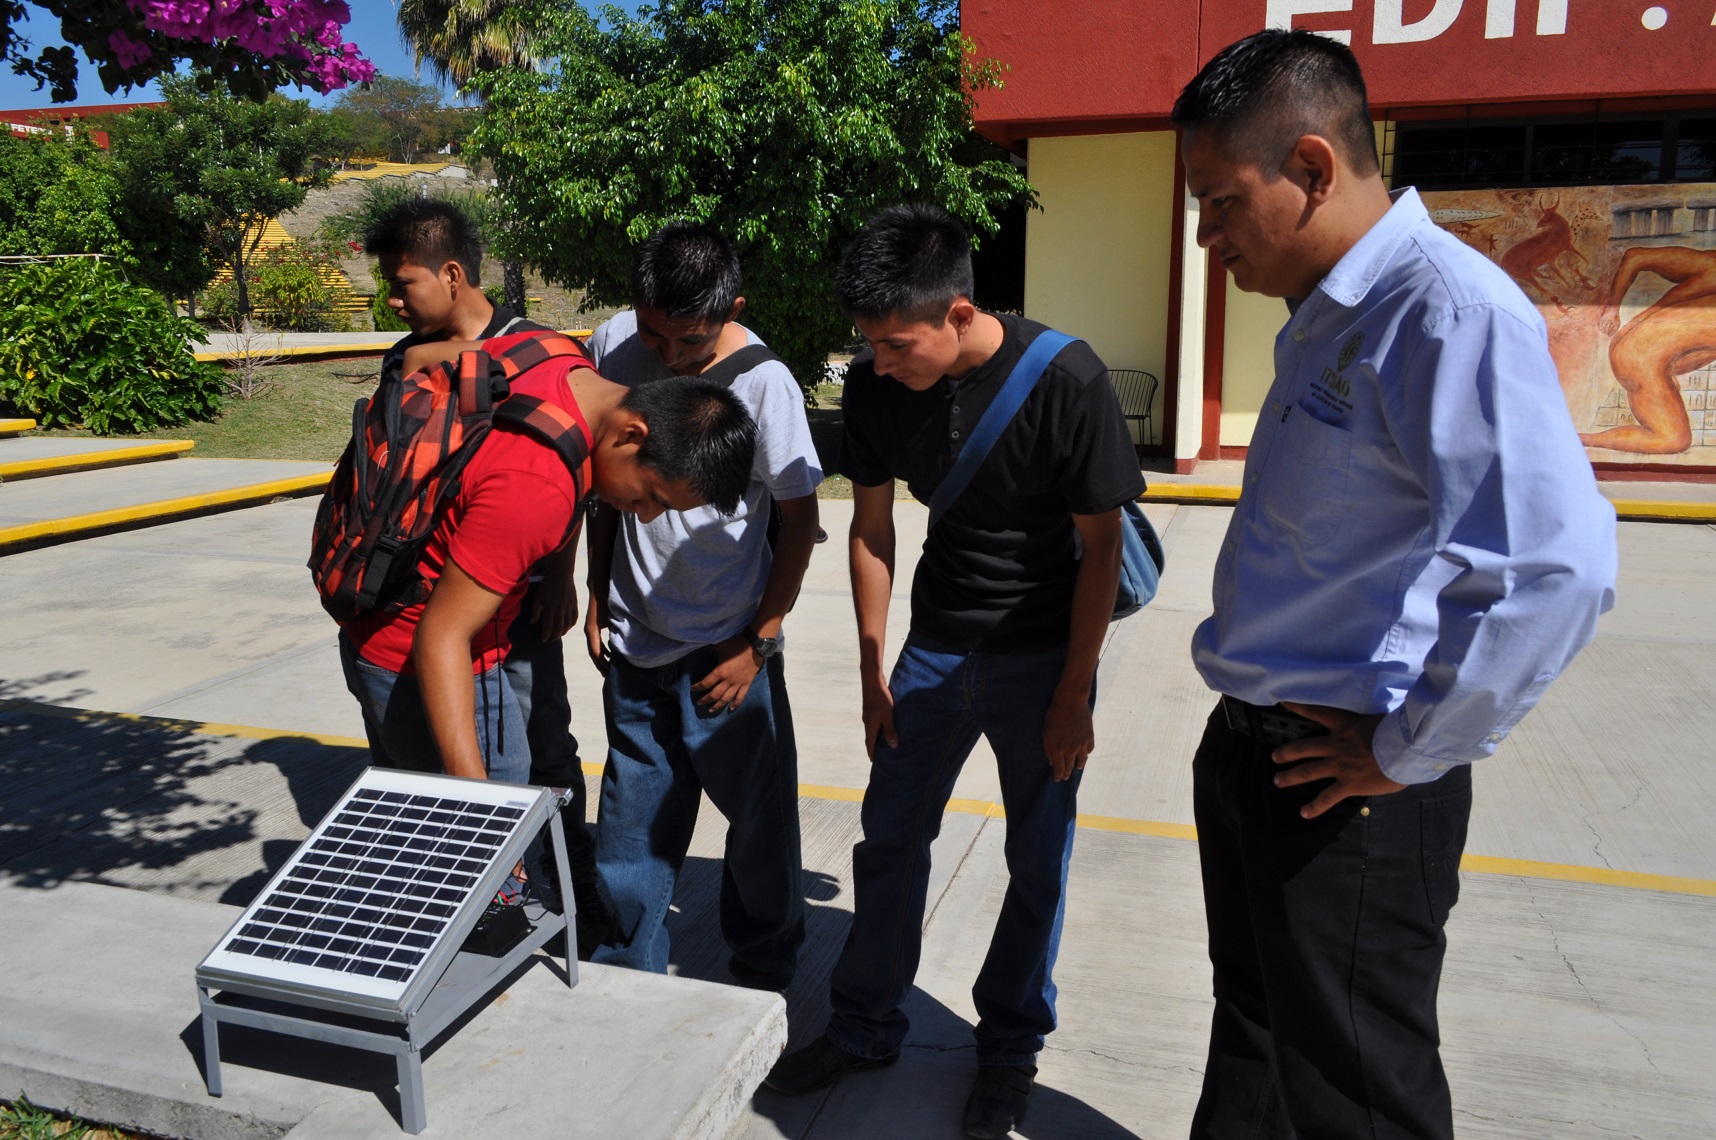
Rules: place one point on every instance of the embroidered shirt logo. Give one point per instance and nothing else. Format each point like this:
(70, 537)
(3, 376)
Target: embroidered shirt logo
(1350, 350)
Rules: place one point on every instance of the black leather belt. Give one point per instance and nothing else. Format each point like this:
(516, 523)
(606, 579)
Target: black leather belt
(1270, 724)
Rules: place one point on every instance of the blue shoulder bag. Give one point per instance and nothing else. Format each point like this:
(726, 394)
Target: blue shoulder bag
(1141, 554)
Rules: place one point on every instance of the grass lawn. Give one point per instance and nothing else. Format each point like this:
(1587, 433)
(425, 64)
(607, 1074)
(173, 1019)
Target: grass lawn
(24, 1121)
(304, 413)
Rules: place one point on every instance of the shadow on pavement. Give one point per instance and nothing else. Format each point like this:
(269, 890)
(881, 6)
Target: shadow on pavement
(922, 1097)
(102, 797)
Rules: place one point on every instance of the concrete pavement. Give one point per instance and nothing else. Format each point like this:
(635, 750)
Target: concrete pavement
(1578, 998)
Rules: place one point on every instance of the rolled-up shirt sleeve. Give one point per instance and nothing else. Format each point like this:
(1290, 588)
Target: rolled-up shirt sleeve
(1521, 534)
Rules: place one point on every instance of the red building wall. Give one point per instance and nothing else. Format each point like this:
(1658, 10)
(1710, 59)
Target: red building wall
(1083, 65)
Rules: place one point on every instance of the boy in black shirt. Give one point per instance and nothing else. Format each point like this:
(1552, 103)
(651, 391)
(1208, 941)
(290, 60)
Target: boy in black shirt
(430, 255)
(1007, 625)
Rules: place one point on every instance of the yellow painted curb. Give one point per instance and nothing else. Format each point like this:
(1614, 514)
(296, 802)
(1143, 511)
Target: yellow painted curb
(13, 427)
(161, 510)
(1189, 493)
(1638, 510)
(1474, 864)
(373, 348)
(91, 460)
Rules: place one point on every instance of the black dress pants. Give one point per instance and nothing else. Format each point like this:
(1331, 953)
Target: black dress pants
(1327, 940)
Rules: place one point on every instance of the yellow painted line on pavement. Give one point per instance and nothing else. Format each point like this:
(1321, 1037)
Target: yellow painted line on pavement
(161, 510)
(1600, 876)
(13, 427)
(1639, 510)
(1477, 864)
(1189, 493)
(90, 460)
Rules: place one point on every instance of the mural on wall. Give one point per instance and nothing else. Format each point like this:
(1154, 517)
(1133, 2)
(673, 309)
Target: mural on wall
(1625, 277)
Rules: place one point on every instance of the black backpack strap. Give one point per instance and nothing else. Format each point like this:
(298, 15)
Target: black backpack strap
(730, 368)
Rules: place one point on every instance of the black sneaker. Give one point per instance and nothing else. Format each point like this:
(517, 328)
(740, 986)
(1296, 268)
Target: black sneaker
(997, 1101)
(817, 1065)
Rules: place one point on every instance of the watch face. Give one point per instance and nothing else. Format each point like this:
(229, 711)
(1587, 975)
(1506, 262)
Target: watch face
(766, 647)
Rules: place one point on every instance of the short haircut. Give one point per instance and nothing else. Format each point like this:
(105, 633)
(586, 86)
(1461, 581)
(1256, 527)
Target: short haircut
(686, 269)
(1261, 94)
(431, 232)
(908, 261)
(699, 432)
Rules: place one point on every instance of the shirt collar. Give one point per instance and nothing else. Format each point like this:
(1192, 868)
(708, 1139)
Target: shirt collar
(1354, 274)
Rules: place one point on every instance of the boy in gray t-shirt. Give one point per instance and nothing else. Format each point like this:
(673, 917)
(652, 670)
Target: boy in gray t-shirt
(692, 604)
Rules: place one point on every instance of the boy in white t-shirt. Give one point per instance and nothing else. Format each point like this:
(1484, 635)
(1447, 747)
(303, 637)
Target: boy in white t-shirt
(692, 604)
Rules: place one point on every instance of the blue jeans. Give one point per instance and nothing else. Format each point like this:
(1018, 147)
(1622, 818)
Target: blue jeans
(398, 727)
(536, 670)
(663, 753)
(942, 703)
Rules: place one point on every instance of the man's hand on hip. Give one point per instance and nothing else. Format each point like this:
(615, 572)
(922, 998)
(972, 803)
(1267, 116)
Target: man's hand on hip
(1344, 756)
(1069, 737)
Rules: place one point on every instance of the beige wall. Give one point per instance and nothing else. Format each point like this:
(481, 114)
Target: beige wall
(1097, 257)
(1247, 360)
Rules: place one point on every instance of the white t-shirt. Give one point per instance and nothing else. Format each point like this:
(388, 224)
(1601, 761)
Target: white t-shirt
(693, 578)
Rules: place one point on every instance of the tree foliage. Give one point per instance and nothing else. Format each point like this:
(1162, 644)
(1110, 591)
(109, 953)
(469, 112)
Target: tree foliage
(247, 47)
(81, 346)
(398, 118)
(461, 39)
(58, 196)
(214, 168)
(784, 123)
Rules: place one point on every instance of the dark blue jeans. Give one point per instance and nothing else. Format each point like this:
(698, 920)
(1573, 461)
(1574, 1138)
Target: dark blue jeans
(536, 669)
(398, 728)
(942, 703)
(1326, 938)
(663, 753)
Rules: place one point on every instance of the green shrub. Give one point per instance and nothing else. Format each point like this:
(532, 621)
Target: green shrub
(81, 346)
(386, 320)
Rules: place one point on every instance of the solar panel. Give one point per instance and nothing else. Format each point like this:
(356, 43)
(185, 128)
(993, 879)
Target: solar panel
(373, 906)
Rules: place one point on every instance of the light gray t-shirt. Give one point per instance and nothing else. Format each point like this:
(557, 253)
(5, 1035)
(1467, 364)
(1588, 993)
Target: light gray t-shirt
(693, 578)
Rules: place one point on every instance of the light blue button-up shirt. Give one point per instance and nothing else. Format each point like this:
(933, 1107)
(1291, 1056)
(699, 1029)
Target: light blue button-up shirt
(1419, 531)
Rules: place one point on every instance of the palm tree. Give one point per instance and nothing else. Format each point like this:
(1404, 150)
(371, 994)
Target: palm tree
(461, 39)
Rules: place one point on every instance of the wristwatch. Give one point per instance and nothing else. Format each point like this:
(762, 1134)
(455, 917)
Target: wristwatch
(766, 647)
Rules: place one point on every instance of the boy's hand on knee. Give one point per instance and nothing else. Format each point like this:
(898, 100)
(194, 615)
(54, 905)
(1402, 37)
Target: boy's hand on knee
(724, 687)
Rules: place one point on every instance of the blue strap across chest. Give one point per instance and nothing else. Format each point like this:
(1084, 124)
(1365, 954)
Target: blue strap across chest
(996, 417)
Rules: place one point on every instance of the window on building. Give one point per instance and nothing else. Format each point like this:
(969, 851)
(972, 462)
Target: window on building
(1564, 151)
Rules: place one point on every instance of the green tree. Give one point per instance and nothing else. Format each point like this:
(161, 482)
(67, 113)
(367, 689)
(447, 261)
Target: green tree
(784, 123)
(58, 196)
(403, 116)
(215, 168)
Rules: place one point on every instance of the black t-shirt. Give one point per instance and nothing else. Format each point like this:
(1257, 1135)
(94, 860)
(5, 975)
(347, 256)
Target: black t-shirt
(997, 570)
(502, 322)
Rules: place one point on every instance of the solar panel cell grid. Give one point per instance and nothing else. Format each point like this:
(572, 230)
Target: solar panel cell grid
(377, 886)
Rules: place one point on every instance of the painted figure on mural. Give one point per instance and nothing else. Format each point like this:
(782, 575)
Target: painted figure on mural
(1671, 337)
(1625, 280)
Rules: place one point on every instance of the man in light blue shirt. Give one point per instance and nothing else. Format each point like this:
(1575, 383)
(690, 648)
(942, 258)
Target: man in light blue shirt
(1418, 550)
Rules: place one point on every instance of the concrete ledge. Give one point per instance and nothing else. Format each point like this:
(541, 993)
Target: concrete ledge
(29, 536)
(98, 1018)
(13, 427)
(91, 459)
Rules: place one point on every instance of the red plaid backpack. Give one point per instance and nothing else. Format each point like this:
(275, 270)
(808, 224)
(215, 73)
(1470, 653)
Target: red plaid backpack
(410, 444)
